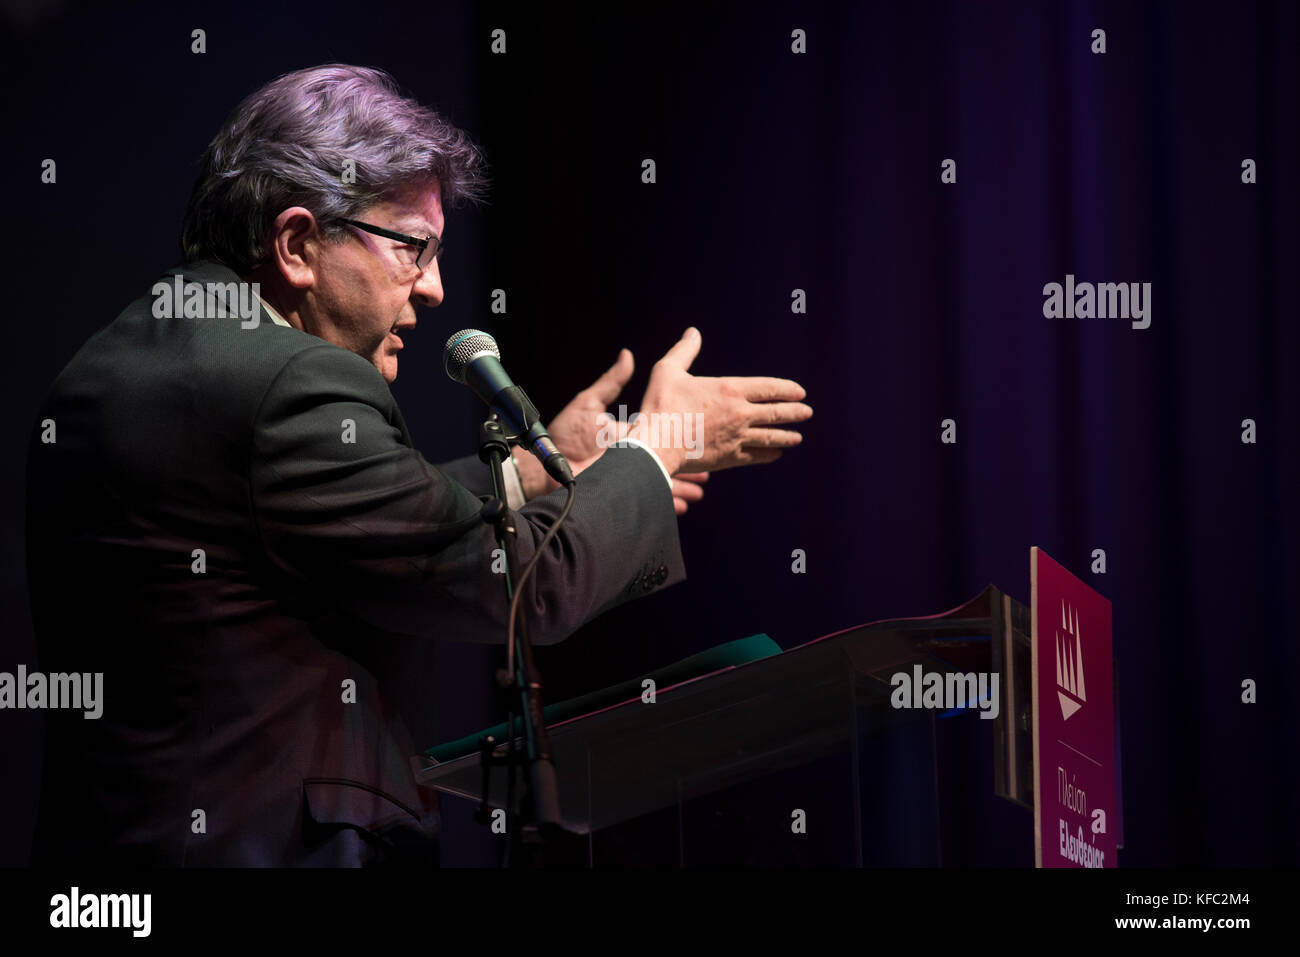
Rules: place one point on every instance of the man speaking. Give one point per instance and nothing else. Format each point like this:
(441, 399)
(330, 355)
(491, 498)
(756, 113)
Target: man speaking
(228, 520)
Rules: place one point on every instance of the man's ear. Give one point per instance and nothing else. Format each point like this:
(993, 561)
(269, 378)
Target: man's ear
(295, 245)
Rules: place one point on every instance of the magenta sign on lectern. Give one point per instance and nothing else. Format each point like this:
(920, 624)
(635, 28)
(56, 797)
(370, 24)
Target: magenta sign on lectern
(1076, 820)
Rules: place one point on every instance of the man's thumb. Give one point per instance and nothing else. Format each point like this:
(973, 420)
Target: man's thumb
(611, 382)
(686, 348)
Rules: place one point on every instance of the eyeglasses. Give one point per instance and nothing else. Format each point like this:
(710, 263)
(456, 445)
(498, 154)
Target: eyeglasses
(431, 246)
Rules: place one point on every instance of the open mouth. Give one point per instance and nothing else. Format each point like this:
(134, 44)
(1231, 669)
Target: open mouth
(394, 330)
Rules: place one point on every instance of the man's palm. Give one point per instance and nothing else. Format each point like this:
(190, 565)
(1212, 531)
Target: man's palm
(580, 425)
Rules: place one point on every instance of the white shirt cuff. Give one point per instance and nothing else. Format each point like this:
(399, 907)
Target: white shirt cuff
(638, 444)
(513, 483)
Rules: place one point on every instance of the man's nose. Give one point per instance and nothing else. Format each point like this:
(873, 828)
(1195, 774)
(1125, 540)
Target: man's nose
(427, 290)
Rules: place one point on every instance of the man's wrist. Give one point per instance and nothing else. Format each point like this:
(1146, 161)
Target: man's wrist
(669, 459)
(532, 475)
(638, 444)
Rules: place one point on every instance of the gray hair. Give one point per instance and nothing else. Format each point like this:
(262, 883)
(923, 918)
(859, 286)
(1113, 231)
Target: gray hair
(285, 145)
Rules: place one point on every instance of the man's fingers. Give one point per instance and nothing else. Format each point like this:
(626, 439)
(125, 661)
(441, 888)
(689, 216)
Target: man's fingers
(685, 350)
(606, 389)
(757, 456)
(761, 388)
(772, 438)
(687, 491)
(700, 477)
(779, 413)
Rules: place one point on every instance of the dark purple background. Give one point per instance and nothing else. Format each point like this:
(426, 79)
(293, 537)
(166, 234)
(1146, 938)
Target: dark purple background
(820, 172)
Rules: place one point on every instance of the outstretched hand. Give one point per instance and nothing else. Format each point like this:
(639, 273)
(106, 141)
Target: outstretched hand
(742, 420)
(579, 428)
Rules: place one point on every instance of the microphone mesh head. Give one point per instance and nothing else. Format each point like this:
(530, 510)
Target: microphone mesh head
(462, 348)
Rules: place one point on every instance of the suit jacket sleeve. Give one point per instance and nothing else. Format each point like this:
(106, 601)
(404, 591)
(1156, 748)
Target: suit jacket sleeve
(470, 472)
(364, 526)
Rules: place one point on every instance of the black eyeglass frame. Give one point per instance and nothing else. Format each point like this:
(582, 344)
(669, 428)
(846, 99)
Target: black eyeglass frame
(430, 247)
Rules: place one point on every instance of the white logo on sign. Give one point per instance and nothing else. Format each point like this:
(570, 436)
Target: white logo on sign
(1069, 663)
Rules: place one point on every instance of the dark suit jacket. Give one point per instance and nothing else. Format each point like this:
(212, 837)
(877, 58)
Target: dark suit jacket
(323, 563)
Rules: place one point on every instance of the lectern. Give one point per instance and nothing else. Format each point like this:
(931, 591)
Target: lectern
(899, 742)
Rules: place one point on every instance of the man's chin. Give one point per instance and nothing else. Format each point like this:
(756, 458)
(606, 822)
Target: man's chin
(386, 363)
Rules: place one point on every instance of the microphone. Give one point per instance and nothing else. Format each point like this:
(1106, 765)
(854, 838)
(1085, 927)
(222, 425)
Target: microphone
(471, 357)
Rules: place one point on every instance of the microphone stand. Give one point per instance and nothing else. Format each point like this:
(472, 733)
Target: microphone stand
(539, 815)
